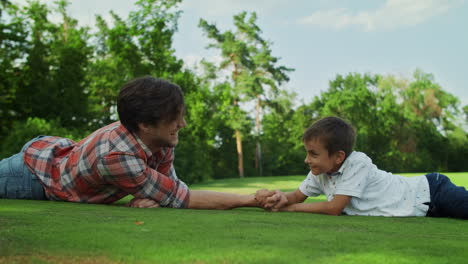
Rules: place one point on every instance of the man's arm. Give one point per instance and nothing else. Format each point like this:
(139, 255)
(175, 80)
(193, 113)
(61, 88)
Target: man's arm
(333, 207)
(205, 200)
(219, 200)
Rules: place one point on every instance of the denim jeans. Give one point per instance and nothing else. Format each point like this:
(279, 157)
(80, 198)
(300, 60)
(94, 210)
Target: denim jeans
(447, 199)
(17, 181)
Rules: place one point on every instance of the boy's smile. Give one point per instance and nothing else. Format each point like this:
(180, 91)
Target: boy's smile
(319, 160)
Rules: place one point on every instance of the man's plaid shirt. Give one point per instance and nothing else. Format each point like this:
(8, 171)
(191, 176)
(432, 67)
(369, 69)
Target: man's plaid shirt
(104, 167)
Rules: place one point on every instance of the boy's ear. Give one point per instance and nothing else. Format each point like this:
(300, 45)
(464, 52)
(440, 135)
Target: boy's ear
(340, 156)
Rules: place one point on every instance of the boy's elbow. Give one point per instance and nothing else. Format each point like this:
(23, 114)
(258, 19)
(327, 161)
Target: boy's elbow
(334, 210)
(335, 213)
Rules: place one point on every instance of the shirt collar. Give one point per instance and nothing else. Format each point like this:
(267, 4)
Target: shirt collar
(134, 139)
(143, 146)
(340, 171)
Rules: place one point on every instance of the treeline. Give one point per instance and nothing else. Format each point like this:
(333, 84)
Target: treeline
(57, 78)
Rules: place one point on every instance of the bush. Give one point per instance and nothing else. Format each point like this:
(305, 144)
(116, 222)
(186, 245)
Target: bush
(25, 130)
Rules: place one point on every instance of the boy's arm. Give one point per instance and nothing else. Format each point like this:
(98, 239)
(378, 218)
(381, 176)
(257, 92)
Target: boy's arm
(296, 197)
(333, 207)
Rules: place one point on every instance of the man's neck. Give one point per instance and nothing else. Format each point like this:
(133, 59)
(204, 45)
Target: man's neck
(147, 143)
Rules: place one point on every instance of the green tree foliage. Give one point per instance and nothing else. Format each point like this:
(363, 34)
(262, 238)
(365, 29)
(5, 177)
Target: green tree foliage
(54, 68)
(57, 78)
(142, 45)
(12, 49)
(45, 66)
(32, 127)
(253, 68)
(281, 137)
(403, 125)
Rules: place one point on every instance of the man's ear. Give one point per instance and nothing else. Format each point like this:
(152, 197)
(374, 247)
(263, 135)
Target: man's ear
(340, 156)
(143, 127)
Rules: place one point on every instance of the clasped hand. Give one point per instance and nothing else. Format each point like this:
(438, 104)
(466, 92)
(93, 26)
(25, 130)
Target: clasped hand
(271, 200)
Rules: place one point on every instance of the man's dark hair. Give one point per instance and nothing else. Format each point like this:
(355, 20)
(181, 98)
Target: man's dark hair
(149, 101)
(334, 133)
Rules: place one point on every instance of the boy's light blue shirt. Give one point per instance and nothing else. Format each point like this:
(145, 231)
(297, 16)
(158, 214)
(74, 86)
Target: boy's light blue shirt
(375, 192)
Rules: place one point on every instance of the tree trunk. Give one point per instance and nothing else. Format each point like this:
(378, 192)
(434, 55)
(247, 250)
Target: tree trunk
(240, 156)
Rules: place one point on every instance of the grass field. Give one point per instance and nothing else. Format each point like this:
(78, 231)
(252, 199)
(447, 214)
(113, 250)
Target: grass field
(57, 232)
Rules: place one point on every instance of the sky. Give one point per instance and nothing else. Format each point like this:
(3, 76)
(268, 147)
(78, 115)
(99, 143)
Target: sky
(323, 38)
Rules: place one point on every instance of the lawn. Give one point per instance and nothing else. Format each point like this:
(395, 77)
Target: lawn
(56, 232)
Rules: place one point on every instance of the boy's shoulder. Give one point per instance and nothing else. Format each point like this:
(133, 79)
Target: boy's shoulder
(355, 160)
(357, 156)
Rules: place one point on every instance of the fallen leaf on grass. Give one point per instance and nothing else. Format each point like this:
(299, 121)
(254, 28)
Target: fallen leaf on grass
(139, 222)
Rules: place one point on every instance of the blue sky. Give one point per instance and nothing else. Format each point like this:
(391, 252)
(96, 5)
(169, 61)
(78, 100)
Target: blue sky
(322, 38)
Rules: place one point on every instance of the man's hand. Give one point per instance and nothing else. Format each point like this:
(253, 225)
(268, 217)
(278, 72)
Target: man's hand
(271, 200)
(276, 201)
(142, 203)
(262, 195)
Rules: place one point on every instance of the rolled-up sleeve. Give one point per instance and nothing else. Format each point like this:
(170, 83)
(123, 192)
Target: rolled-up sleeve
(310, 186)
(134, 176)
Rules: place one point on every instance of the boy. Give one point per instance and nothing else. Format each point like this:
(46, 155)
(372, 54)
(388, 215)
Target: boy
(355, 186)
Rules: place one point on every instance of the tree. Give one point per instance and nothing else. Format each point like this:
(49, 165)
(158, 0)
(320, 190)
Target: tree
(12, 48)
(140, 45)
(71, 55)
(282, 133)
(57, 57)
(404, 125)
(45, 75)
(248, 56)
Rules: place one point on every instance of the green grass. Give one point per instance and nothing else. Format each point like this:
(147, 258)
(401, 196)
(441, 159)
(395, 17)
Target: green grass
(57, 232)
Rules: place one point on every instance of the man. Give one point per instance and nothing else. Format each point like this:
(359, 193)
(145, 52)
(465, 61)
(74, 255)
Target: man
(133, 156)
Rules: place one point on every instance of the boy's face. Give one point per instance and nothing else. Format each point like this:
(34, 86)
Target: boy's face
(319, 160)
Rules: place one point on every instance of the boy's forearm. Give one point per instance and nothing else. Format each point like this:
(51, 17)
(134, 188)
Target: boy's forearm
(219, 200)
(317, 208)
(292, 199)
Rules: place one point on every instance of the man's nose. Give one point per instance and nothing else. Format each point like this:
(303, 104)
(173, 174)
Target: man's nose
(182, 123)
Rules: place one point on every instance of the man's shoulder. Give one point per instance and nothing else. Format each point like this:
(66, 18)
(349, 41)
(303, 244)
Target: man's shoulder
(113, 139)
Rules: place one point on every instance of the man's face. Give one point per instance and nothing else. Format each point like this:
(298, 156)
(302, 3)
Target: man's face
(166, 133)
(318, 159)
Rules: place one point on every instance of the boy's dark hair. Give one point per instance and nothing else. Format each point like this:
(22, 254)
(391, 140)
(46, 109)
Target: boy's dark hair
(334, 133)
(148, 100)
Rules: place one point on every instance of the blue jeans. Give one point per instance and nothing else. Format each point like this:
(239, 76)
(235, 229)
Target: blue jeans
(447, 199)
(17, 181)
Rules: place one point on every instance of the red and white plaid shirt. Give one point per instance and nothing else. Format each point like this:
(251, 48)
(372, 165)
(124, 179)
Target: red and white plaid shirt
(104, 167)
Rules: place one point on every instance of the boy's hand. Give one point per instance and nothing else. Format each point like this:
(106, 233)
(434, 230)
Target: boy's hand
(271, 200)
(287, 208)
(276, 201)
(142, 203)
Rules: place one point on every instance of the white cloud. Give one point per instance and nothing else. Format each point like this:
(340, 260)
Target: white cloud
(393, 14)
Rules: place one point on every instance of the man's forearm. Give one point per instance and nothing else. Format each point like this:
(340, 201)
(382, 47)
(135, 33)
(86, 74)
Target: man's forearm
(219, 200)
